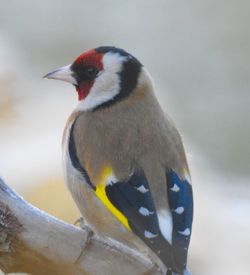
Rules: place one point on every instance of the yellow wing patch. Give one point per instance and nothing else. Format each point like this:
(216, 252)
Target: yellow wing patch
(101, 194)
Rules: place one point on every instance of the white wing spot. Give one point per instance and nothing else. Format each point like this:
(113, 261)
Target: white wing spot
(179, 210)
(145, 212)
(110, 180)
(142, 189)
(149, 235)
(175, 188)
(186, 232)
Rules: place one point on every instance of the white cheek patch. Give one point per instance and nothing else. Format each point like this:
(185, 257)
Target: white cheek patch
(112, 62)
(105, 88)
(106, 85)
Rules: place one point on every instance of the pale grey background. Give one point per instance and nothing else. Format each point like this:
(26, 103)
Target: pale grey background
(198, 53)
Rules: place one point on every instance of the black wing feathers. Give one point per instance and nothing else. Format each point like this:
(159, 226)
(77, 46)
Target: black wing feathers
(180, 198)
(133, 198)
(74, 158)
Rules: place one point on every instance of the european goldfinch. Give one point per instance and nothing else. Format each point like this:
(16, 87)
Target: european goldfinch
(124, 159)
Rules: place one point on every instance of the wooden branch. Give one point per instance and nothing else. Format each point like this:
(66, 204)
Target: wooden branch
(34, 242)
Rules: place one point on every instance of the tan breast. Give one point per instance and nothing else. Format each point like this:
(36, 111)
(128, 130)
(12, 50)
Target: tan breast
(95, 214)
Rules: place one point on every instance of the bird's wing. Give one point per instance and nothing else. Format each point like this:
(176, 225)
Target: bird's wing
(134, 199)
(180, 200)
(132, 203)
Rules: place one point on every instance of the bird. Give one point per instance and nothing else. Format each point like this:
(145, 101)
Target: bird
(123, 157)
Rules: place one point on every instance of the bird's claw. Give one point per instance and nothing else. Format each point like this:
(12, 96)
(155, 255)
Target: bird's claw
(89, 232)
(81, 222)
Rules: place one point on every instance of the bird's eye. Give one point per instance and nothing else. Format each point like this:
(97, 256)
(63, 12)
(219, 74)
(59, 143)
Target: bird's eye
(91, 72)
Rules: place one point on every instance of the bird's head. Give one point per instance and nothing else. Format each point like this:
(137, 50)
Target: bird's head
(101, 76)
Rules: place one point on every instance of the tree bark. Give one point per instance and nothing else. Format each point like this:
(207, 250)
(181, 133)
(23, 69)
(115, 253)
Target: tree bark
(34, 242)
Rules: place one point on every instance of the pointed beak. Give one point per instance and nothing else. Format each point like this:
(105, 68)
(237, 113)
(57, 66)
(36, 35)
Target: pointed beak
(65, 74)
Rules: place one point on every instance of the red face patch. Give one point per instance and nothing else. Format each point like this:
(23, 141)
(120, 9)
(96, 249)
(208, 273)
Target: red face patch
(90, 59)
(84, 88)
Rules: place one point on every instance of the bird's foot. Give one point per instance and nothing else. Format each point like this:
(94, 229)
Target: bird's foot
(89, 232)
(80, 221)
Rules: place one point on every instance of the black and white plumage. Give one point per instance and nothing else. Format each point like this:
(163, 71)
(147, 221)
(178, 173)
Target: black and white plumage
(124, 160)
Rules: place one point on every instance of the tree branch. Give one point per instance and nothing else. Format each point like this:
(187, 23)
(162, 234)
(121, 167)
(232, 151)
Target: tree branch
(34, 242)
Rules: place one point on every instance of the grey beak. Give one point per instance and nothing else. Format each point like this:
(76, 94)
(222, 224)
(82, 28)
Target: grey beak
(65, 74)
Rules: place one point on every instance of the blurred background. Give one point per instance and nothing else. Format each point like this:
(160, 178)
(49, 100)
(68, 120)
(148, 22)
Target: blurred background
(198, 53)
